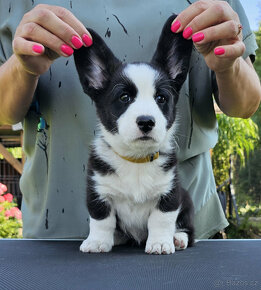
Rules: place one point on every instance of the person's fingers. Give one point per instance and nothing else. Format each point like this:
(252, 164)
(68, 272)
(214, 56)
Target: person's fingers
(226, 30)
(25, 47)
(34, 57)
(62, 23)
(48, 32)
(70, 19)
(215, 30)
(187, 15)
(203, 14)
(211, 17)
(231, 51)
(36, 33)
(50, 22)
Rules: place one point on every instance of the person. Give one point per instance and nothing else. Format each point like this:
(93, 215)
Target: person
(39, 86)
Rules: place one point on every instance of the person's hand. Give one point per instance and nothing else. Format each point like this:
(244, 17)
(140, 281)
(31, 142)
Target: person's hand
(45, 33)
(215, 30)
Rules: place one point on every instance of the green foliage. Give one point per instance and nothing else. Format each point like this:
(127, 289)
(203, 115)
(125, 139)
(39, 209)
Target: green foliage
(249, 228)
(16, 152)
(248, 179)
(237, 137)
(246, 230)
(250, 211)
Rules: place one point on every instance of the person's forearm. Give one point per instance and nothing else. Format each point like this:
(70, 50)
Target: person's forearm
(17, 88)
(239, 90)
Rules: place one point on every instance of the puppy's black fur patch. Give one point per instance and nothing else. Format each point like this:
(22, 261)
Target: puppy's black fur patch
(98, 209)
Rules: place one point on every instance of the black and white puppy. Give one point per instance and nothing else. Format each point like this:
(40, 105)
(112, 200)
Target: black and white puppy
(133, 186)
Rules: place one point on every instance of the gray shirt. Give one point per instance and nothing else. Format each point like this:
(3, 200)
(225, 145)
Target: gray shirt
(54, 177)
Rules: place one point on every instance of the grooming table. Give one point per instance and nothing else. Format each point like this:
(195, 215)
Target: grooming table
(58, 264)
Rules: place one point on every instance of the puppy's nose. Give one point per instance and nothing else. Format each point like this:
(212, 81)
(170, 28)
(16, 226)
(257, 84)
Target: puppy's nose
(145, 123)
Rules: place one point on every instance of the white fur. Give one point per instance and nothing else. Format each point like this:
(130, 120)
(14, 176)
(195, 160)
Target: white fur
(136, 183)
(143, 76)
(181, 242)
(101, 236)
(161, 227)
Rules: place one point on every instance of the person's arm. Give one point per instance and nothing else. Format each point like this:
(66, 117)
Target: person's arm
(239, 89)
(45, 33)
(216, 32)
(16, 91)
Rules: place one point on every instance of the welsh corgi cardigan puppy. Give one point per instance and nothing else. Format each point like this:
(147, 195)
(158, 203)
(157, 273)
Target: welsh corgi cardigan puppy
(133, 189)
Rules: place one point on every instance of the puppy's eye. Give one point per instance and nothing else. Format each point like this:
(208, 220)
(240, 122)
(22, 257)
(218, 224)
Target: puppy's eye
(125, 99)
(160, 99)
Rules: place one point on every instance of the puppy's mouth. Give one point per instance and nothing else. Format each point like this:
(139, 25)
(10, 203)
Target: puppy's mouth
(145, 138)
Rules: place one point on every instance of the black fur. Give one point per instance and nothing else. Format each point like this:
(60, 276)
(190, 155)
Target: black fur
(88, 57)
(186, 216)
(98, 209)
(171, 161)
(166, 88)
(109, 107)
(99, 165)
(173, 55)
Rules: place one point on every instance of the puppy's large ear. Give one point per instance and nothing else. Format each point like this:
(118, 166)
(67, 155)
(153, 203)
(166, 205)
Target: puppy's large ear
(173, 54)
(95, 64)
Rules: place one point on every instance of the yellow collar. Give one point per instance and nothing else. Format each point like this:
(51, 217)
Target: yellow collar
(146, 159)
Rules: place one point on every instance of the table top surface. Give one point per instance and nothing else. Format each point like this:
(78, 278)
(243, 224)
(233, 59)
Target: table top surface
(49, 264)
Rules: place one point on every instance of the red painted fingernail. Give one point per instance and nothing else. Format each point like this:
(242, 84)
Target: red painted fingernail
(175, 26)
(67, 49)
(37, 48)
(77, 42)
(87, 40)
(219, 51)
(187, 32)
(198, 37)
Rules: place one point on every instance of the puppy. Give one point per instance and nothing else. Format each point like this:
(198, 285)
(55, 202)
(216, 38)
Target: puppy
(133, 187)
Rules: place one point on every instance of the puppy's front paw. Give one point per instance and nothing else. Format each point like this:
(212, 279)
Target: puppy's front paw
(158, 248)
(92, 246)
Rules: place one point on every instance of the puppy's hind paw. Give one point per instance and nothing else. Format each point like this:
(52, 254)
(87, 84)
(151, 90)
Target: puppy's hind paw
(92, 246)
(181, 240)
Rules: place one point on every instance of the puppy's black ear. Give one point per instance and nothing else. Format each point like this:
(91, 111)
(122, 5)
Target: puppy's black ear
(173, 54)
(95, 64)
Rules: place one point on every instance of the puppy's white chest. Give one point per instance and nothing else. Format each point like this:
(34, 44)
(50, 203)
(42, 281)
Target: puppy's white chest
(136, 184)
(133, 217)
